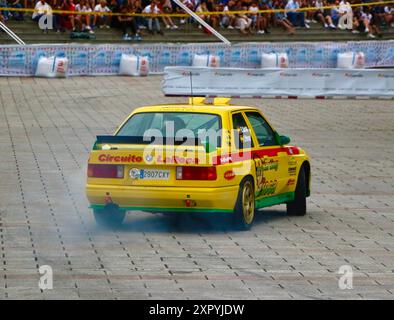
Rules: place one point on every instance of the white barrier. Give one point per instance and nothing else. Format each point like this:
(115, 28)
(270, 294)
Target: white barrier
(274, 82)
(104, 59)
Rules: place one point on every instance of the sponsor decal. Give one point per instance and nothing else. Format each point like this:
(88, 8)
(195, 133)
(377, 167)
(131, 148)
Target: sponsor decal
(267, 187)
(320, 74)
(148, 158)
(229, 175)
(134, 173)
(288, 74)
(256, 74)
(292, 171)
(267, 165)
(382, 75)
(291, 182)
(223, 74)
(176, 159)
(109, 158)
(353, 75)
(190, 73)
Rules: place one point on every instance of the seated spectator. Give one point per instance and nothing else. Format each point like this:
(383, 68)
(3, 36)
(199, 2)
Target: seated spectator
(153, 22)
(389, 15)
(281, 19)
(41, 8)
(99, 18)
(296, 17)
(243, 22)
(128, 22)
(366, 22)
(68, 20)
(2, 20)
(346, 15)
(266, 17)
(228, 20)
(166, 7)
(17, 15)
(254, 15)
(83, 20)
(323, 15)
(202, 7)
(114, 7)
(5, 14)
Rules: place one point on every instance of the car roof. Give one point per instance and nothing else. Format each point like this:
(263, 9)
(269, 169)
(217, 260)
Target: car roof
(197, 108)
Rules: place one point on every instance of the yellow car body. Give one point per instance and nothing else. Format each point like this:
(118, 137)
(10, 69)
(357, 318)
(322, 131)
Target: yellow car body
(273, 169)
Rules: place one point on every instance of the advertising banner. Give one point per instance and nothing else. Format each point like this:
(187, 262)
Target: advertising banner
(104, 59)
(311, 82)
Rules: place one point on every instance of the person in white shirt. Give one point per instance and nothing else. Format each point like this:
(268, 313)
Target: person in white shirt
(323, 15)
(153, 22)
(228, 20)
(346, 16)
(296, 17)
(389, 15)
(83, 20)
(40, 9)
(103, 19)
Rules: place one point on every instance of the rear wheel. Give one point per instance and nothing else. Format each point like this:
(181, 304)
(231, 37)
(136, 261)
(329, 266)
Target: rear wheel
(297, 207)
(109, 216)
(244, 208)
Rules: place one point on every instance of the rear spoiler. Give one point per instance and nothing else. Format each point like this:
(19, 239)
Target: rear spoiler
(144, 141)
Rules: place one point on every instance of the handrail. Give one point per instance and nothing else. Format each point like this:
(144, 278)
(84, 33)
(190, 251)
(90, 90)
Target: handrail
(12, 34)
(202, 22)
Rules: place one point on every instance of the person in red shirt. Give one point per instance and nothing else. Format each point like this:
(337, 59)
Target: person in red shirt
(68, 20)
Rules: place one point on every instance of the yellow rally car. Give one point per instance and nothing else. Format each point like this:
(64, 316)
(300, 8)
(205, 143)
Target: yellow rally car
(197, 157)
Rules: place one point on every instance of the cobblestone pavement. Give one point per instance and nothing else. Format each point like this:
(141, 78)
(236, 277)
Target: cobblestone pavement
(47, 129)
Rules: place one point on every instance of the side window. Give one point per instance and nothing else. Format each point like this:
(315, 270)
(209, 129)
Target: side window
(242, 134)
(264, 134)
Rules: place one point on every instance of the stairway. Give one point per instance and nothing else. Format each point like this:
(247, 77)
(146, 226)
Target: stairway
(29, 32)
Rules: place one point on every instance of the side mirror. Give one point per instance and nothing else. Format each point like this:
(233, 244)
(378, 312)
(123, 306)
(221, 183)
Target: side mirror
(284, 140)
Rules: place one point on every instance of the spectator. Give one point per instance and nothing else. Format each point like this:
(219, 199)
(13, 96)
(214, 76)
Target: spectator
(153, 22)
(202, 7)
(346, 14)
(101, 17)
(323, 15)
(41, 8)
(389, 15)
(242, 21)
(296, 17)
(228, 20)
(68, 20)
(113, 7)
(255, 17)
(281, 19)
(166, 7)
(17, 15)
(5, 14)
(2, 20)
(83, 20)
(128, 22)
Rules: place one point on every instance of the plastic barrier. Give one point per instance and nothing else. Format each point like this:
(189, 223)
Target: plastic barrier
(52, 67)
(132, 65)
(206, 60)
(302, 82)
(104, 59)
(274, 60)
(351, 60)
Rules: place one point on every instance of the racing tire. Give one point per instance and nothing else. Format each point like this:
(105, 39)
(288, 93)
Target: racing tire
(245, 206)
(297, 207)
(109, 216)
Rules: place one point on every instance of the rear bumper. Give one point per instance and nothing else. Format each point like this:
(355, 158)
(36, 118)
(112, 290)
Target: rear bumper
(163, 199)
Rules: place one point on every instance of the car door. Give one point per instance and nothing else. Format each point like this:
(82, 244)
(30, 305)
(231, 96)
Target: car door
(269, 157)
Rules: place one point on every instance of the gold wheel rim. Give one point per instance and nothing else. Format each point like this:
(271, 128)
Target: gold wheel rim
(248, 203)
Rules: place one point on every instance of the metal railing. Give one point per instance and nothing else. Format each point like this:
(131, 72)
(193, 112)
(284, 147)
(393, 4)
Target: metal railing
(11, 34)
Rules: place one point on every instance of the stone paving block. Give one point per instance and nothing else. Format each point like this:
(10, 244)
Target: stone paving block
(47, 128)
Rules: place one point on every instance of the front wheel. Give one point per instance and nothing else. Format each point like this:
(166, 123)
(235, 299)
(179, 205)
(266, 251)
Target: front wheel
(297, 207)
(244, 208)
(109, 216)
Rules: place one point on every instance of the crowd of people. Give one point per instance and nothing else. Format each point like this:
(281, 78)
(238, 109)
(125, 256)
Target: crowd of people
(95, 14)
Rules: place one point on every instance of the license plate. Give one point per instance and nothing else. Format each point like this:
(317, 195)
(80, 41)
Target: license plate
(152, 174)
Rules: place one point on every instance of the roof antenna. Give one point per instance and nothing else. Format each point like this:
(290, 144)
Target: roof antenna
(191, 88)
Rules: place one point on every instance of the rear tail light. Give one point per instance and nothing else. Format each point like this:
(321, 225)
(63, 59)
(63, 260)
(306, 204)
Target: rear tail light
(105, 171)
(196, 173)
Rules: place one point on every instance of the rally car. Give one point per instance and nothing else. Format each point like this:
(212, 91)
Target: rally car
(197, 157)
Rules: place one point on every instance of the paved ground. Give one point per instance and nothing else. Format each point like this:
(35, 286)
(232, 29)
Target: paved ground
(47, 128)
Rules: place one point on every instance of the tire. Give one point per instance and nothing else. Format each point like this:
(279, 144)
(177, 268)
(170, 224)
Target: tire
(109, 216)
(297, 207)
(245, 205)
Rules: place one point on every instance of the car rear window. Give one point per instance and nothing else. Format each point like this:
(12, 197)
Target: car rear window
(194, 123)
